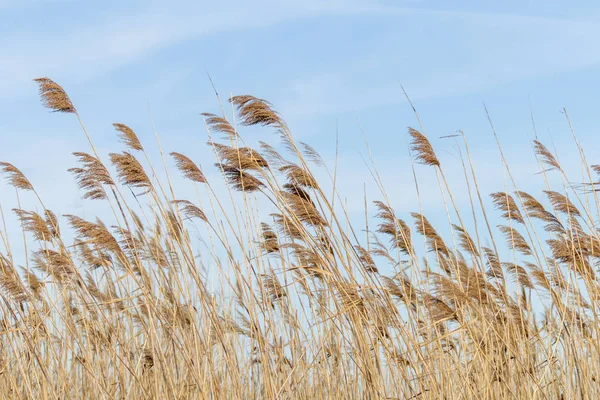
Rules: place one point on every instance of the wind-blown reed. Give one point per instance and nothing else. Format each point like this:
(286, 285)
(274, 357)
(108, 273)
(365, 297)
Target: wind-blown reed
(303, 308)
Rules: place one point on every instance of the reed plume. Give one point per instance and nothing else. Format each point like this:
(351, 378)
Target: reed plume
(188, 168)
(54, 96)
(434, 241)
(220, 125)
(254, 111)
(240, 180)
(190, 210)
(506, 203)
(394, 227)
(562, 203)
(129, 170)
(546, 156)
(91, 176)
(128, 137)
(290, 290)
(42, 229)
(515, 239)
(15, 177)
(423, 150)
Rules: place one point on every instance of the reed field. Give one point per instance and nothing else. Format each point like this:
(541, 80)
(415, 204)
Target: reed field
(261, 286)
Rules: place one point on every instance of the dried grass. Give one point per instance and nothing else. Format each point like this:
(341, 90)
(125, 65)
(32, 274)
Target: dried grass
(153, 304)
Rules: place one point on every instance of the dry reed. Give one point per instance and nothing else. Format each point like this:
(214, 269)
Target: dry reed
(241, 298)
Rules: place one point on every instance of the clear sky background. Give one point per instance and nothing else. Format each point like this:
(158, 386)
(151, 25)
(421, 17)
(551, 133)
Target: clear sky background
(325, 65)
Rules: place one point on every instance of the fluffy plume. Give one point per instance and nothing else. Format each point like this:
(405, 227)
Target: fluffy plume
(11, 283)
(307, 258)
(505, 202)
(380, 250)
(129, 170)
(288, 226)
(298, 191)
(434, 241)
(270, 243)
(392, 287)
(56, 264)
(188, 168)
(304, 209)
(190, 210)
(423, 150)
(91, 176)
(394, 227)
(562, 203)
(243, 158)
(299, 176)
(520, 275)
(53, 96)
(94, 290)
(219, 125)
(538, 276)
(128, 136)
(131, 245)
(52, 223)
(254, 111)
(311, 154)
(349, 297)
(240, 180)
(37, 225)
(439, 310)
(273, 288)
(15, 177)
(95, 233)
(34, 284)
(155, 252)
(494, 266)
(93, 189)
(366, 260)
(93, 259)
(515, 239)
(95, 167)
(536, 210)
(174, 224)
(272, 155)
(573, 253)
(466, 242)
(546, 155)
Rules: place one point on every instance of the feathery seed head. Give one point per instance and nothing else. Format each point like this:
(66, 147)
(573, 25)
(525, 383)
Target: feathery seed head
(54, 97)
(128, 136)
(423, 150)
(15, 177)
(254, 111)
(129, 170)
(188, 168)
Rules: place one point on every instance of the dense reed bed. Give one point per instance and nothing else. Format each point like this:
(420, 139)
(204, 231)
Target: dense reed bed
(270, 290)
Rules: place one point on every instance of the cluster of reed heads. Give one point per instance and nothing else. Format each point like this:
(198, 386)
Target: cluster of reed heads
(307, 305)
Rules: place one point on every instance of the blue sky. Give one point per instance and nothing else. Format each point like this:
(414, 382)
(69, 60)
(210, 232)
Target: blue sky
(326, 65)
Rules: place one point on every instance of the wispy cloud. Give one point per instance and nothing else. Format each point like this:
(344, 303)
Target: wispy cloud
(440, 53)
(80, 51)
